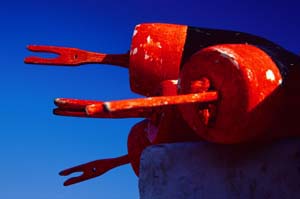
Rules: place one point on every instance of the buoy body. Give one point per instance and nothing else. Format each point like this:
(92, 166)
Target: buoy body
(244, 77)
(199, 84)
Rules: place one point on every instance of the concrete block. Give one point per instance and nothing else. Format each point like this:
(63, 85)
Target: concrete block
(211, 171)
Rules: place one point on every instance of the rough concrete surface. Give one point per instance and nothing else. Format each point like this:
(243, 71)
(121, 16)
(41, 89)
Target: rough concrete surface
(210, 171)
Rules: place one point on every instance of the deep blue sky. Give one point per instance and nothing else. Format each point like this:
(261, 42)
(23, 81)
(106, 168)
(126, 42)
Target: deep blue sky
(34, 144)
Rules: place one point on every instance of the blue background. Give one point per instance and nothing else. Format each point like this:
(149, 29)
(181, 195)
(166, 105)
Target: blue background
(34, 144)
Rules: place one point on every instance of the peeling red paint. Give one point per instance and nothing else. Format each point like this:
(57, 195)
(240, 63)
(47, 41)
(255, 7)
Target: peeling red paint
(156, 52)
(198, 85)
(240, 93)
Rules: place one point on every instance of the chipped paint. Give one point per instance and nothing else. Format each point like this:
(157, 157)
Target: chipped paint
(249, 73)
(134, 32)
(270, 75)
(146, 56)
(234, 62)
(226, 53)
(149, 40)
(148, 44)
(135, 50)
(58, 100)
(106, 106)
(158, 45)
(174, 81)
